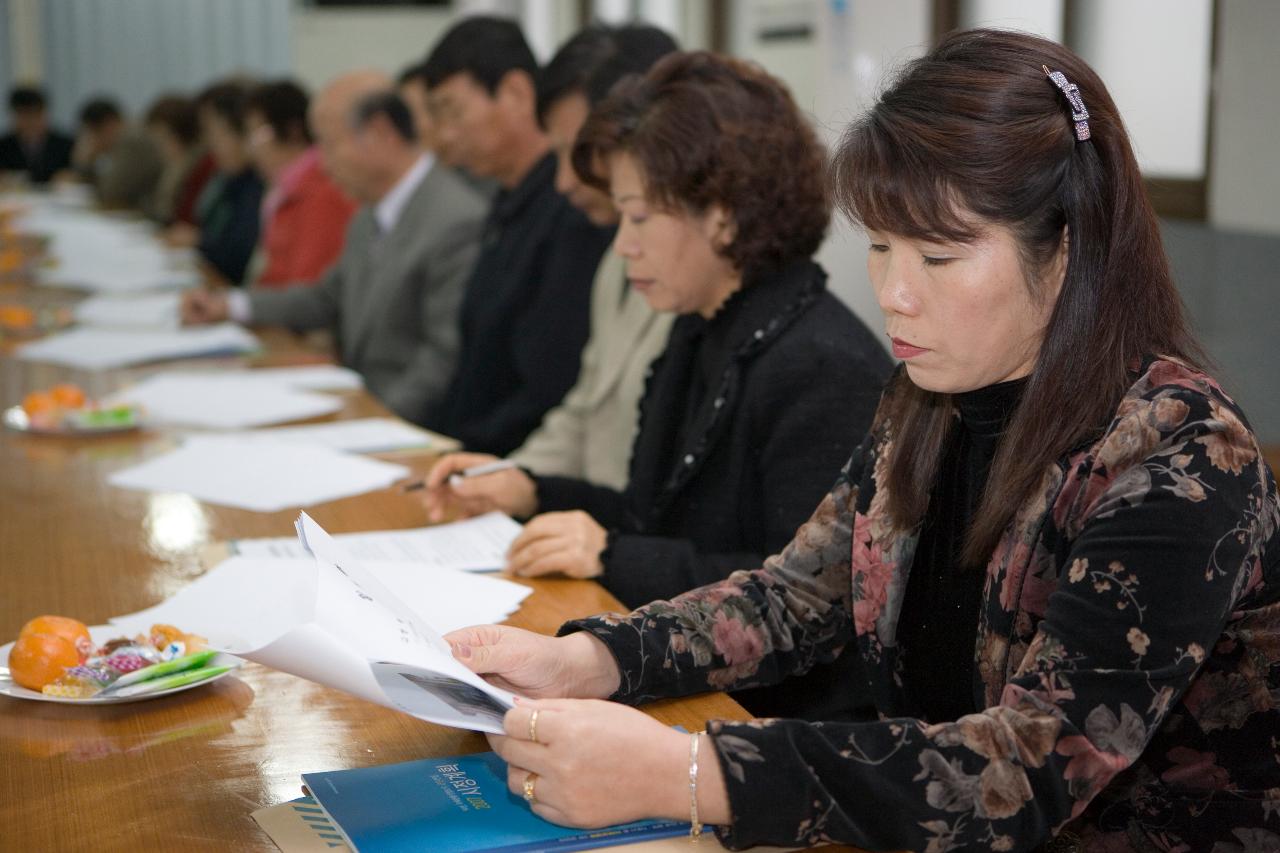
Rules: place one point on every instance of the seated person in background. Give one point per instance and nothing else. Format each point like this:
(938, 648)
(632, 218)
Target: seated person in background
(121, 162)
(1056, 555)
(768, 381)
(393, 295)
(413, 91)
(412, 87)
(174, 126)
(31, 146)
(229, 209)
(526, 312)
(589, 435)
(304, 215)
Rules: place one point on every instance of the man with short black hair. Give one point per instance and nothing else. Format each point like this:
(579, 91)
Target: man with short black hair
(121, 162)
(32, 146)
(526, 313)
(392, 297)
(412, 86)
(589, 435)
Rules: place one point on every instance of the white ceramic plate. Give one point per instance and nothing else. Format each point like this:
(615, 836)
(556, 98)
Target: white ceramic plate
(100, 635)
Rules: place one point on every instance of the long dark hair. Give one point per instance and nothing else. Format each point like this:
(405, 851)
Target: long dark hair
(976, 127)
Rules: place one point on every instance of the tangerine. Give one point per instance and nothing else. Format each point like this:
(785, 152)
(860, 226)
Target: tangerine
(38, 659)
(39, 402)
(72, 630)
(10, 260)
(17, 317)
(68, 396)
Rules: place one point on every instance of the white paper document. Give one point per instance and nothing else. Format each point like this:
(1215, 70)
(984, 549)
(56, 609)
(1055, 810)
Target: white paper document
(122, 272)
(131, 312)
(361, 435)
(310, 377)
(337, 621)
(223, 400)
(105, 254)
(104, 349)
(258, 475)
(477, 544)
(445, 599)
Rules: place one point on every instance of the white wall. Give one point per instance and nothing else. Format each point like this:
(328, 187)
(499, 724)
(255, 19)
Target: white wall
(1244, 180)
(859, 46)
(7, 46)
(328, 42)
(1154, 57)
(1042, 17)
(23, 30)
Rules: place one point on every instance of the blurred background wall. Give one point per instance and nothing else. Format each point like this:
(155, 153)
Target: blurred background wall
(1195, 80)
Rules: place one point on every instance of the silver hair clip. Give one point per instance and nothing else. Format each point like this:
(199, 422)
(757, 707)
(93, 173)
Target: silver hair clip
(1079, 115)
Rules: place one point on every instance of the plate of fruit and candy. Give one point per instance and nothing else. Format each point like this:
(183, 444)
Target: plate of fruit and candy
(65, 410)
(60, 659)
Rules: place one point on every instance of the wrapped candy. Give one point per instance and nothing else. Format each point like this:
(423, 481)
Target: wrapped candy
(71, 687)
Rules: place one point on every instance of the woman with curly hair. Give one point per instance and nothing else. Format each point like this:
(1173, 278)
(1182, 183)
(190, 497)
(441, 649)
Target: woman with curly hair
(1055, 556)
(767, 381)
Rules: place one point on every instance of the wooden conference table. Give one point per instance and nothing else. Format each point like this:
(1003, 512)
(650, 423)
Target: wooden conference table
(185, 771)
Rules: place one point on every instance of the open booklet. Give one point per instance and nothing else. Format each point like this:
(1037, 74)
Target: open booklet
(381, 650)
(332, 621)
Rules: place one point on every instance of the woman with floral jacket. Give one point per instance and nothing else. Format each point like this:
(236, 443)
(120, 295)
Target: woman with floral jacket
(1054, 557)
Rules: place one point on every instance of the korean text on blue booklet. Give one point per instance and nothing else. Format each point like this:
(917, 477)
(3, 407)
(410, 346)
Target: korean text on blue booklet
(454, 805)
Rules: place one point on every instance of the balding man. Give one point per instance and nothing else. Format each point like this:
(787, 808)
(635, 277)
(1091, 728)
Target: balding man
(394, 294)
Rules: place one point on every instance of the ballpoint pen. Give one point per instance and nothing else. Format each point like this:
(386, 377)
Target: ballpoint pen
(466, 473)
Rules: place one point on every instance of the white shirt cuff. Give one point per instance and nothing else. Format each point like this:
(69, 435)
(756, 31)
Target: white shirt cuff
(238, 307)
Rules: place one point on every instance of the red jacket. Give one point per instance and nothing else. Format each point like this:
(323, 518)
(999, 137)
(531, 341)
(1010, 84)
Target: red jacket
(193, 184)
(305, 225)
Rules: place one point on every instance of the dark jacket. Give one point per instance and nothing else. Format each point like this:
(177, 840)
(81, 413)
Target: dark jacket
(525, 316)
(229, 223)
(53, 156)
(1128, 655)
(792, 379)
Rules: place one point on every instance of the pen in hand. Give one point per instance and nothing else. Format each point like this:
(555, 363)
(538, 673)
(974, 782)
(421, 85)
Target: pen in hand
(465, 473)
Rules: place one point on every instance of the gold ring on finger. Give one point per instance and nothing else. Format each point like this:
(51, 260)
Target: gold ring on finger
(529, 782)
(533, 726)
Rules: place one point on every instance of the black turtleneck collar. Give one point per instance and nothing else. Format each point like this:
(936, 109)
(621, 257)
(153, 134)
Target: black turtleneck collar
(985, 412)
(938, 623)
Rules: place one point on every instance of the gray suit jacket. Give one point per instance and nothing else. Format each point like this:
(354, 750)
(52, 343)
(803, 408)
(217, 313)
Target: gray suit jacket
(393, 299)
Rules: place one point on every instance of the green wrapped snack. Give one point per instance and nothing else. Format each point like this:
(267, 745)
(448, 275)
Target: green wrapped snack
(167, 682)
(159, 670)
(117, 417)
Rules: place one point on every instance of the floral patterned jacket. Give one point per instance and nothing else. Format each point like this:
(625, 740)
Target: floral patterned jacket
(1128, 656)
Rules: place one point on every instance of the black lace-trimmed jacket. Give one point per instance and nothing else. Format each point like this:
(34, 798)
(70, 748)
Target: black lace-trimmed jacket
(792, 380)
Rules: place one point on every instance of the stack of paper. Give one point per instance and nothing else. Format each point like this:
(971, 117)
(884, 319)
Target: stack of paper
(223, 400)
(362, 435)
(104, 254)
(104, 349)
(477, 544)
(354, 626)
(311, 377)
(158, 310)
(258, 475)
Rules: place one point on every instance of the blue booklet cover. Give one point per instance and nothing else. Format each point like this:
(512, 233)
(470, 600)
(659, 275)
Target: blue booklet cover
(454, 805)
